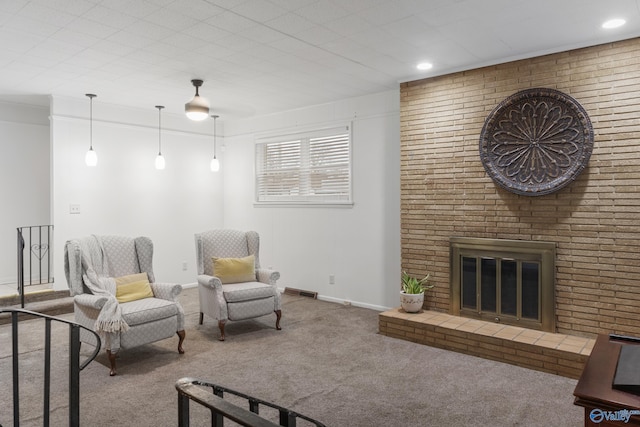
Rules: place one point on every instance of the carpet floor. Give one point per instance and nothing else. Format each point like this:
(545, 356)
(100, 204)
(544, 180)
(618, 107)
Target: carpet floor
(328, 362)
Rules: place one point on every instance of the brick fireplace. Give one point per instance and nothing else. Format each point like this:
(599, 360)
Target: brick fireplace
(446, 192)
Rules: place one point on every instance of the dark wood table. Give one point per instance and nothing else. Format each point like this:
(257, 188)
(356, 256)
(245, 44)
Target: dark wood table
(594, 391)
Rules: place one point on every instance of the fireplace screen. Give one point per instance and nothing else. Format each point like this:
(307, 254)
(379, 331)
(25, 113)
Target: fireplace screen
(506, 281)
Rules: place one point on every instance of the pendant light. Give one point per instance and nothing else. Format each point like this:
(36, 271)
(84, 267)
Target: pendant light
(215, 163)
(91, 158)
(160, 159)
(198, 108)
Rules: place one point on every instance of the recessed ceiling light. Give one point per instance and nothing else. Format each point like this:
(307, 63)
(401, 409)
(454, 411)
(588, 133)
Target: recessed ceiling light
(424, 66)
(613, 23)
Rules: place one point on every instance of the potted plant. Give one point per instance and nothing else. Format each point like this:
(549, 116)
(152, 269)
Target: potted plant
(412, 292)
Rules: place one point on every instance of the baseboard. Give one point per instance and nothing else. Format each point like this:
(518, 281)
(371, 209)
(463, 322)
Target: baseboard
(353, 303)
(300, 292)
(340, 301)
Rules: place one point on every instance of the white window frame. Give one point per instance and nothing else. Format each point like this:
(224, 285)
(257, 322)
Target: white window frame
(293, 179)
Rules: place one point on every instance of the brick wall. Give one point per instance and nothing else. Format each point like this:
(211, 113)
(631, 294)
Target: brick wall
(595, 220)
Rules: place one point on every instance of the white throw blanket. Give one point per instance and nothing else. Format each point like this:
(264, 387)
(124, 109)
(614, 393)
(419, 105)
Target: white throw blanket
(110, 317)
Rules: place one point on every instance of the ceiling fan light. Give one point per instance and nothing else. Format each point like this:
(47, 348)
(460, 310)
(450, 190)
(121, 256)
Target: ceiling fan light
(198, 108)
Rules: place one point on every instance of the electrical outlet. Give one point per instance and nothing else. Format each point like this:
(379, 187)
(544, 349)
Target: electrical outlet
(74, 209)
(332, 279)
(184, 265)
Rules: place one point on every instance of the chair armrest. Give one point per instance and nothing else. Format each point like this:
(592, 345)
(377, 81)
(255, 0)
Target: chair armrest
(168, 291)
(91, 301)
(267, 276)
(209, 281)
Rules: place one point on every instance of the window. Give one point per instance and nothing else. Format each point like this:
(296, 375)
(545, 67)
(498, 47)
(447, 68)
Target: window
(305, 168)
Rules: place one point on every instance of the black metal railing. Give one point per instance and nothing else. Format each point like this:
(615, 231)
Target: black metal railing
(196, 390)
(36, 263)
(74, 364)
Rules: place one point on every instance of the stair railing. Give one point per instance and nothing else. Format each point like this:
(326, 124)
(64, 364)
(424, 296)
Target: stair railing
(193, 389)
(74, 364)
(37, 238)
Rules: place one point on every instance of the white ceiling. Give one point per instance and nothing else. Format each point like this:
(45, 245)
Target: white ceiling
(264, 56)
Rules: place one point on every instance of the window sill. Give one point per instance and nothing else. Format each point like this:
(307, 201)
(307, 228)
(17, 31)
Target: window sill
(339, 205)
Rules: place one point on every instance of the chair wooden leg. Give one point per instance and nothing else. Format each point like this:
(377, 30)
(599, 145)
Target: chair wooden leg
(278, 316)
(201, 317)
(181, 335)
(221, 326)
(112, 362)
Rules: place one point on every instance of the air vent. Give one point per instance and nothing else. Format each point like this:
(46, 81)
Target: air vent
(301, 293)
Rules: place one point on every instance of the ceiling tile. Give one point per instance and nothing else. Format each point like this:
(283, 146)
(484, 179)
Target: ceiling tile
(197, 9)
(107, 16)
(171, 19)
(317, 35)
(138, 9)
(46, 14)
(23, 24)
(322, 12)
(85, 27)
(231, 22)
(263, 55)
(349, 24)
(290, 24)
(206, 32)
(13, 6)
(18, 41)
(385, 13)
(259, 10)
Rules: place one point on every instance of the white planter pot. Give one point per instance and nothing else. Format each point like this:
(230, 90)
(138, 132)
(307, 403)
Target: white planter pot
(411, 303)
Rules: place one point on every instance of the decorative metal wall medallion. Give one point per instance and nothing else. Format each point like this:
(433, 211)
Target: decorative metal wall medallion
(536, 142)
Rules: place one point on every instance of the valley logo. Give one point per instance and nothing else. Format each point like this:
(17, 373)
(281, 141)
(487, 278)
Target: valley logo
(598, 415)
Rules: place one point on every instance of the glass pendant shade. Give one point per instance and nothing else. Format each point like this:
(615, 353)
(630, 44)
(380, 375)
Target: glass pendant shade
(91, 158)
(160, 163)
(198, 108)
(215, 165)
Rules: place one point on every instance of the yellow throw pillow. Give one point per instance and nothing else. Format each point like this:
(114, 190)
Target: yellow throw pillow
(131, 278)
(235, 270)
(133, 291)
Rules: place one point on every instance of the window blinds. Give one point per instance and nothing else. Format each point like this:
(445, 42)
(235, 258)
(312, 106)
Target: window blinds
(312, 167)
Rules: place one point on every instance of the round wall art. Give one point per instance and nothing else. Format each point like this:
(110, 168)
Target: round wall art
(536, 142)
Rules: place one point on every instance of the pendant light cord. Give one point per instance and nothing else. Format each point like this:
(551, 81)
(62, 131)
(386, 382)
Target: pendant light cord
(159, 107)
(91, 96)
(214, 135)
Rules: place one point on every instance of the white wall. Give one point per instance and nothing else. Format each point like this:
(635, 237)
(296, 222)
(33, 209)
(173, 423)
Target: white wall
(24, 177)
(124, 194)
(360, 246)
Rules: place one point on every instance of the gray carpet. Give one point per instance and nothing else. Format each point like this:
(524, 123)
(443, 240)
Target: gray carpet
(328, 362)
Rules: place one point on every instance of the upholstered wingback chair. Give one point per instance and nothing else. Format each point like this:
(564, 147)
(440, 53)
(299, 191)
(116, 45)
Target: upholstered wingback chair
(231, 283)
(115, 293)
